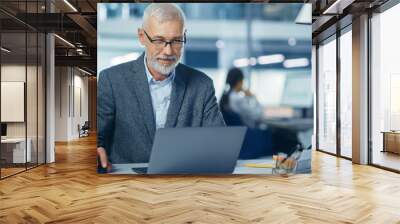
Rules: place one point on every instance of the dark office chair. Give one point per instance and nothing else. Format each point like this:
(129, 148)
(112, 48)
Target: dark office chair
(256, 143)
(84, 130)
(285, 139)
(231, 118)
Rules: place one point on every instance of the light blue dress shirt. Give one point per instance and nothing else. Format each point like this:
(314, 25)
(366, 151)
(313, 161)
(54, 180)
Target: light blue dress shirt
(160, 92)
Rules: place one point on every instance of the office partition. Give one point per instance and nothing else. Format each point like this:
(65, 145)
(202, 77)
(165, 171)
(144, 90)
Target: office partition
(22, 77)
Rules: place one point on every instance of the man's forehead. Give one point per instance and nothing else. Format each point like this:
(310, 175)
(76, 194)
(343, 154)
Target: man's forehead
(167, 28)
(154, 22)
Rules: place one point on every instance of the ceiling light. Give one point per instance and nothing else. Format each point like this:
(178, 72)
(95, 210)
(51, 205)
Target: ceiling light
(292, 41)
(70, 5)
(252, 61)
(220, 44)
(296, 62)
(84, 71)
(5, 50)
(271, 59)
(337, 7)
(65, 41)
(241, 62)
(305, 15)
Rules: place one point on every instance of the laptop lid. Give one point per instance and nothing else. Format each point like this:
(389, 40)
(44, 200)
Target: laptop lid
(200, 150)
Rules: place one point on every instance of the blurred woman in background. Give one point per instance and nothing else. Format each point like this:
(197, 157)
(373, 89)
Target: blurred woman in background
(240, 107)
(241, 101)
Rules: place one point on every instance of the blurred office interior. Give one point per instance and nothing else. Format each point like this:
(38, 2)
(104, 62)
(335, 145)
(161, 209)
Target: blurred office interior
(268, 42)
(263, 40)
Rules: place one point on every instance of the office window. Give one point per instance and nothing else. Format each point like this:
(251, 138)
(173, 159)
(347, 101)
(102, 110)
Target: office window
(346, 93)
(385, 87)
(327, 96)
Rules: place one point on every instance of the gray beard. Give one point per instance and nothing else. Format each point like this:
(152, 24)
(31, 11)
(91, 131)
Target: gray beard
(162, 69)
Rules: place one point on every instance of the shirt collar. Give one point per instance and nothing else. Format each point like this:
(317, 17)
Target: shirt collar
(150, 77)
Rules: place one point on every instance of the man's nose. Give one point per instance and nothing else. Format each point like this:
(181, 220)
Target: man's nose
(168, 49)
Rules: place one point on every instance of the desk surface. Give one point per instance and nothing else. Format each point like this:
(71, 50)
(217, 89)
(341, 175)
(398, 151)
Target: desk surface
(390, 132)
(304, 165)
(239, 169)
(299, 124)
(13, 140)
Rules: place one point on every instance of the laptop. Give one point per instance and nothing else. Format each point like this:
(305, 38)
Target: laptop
(199, 150)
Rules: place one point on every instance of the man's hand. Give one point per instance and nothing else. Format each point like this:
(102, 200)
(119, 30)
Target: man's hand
(101, 152)
(248, 93)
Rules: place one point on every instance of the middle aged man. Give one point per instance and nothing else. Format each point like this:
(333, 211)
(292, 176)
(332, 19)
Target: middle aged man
(154, 91)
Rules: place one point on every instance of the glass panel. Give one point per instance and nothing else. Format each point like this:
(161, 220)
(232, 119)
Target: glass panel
(32, 87)
(385, 86)
(13, 87)
(41, 98)
(346, 94)
(23, 89)
(327, 96)
(31, 100)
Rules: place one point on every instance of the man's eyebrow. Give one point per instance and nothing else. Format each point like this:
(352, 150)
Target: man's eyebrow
(161, 37)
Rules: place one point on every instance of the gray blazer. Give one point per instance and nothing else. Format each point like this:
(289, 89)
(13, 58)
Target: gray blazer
(125, 118)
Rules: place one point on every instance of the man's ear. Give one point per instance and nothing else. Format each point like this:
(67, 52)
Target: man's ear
(141, 36)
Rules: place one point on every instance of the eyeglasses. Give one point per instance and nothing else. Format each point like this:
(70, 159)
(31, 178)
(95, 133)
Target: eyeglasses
(161, 43)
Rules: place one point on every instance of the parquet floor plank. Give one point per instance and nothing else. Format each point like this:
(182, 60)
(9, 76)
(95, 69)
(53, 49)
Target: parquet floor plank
(70, 191)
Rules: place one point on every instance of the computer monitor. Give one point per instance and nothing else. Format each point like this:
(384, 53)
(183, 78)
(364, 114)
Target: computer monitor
(297, 92)
(3, 129)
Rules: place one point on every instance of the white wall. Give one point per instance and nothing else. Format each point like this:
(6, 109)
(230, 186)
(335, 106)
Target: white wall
(385, 66)
(80, 100)
(71, 93)
(12, 73)
(33, 126)
(61, 103)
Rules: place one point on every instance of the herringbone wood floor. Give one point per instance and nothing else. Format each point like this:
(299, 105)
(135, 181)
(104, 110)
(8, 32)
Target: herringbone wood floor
(70, 191)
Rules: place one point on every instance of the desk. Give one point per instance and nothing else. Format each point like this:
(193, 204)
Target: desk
(13, 150)
(391, 141)
(239, 169)
(297, 124)
(304, 165)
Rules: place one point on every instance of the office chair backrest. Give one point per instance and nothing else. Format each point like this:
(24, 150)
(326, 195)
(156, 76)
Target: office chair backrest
(86, 125)
(231, 118)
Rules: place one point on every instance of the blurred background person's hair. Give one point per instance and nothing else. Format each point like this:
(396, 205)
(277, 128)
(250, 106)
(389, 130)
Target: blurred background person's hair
(235, 76)
(237, 99)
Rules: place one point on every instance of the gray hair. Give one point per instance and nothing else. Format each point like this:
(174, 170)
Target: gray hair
(163, 12)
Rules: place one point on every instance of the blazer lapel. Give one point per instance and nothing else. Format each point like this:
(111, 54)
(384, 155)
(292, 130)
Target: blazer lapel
(177, 94)
(140, 87)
